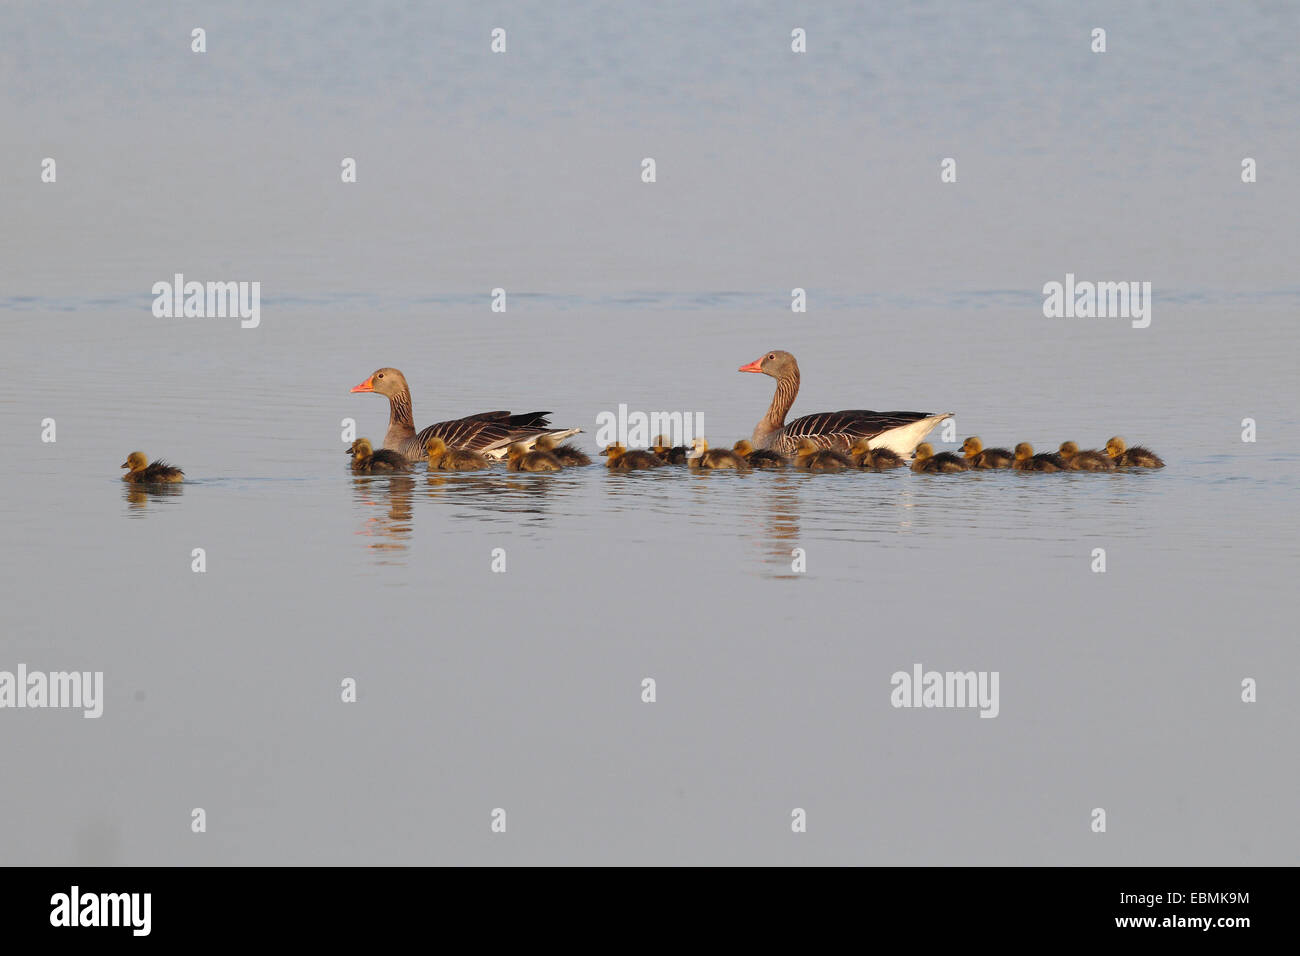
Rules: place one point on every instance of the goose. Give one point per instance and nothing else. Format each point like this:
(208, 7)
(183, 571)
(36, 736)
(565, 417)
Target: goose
(140, 472)
(1089, 460)
(702, 456)
(521, 459)
(759, 457)
(1135, 457)
(811, 457)
(488, 433)
(945, 462)
(984, 458)
(620, 459)
(366, 459)
(875, 459)
(442, 458)
(1026, 460)
(897, 431)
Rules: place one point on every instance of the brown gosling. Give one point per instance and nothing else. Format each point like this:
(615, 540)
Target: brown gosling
(365, 459)
(925, 461)
(442, 458)
(702, 456)
(1135, 457)
(1089, 460)
(620, 459)
(568, 454)
(140, 472)
(985, 458)
(1026, 460)
(519, 458)
(809, 456)
(669, 455)
(874, 459)
(759, 457)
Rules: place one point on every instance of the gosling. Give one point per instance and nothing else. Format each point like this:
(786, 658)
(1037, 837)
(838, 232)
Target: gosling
(759, 457)
(702, 456)
(985, 458)
(620, 459)
(874, 459)
(1088, 460)
(1026, 460)
(808, 456)
(669, 454)
(366, 460)
(1135, 457)
(569, 455)
(140, 472)
(442, 458)
(519, 458)
(925, 461)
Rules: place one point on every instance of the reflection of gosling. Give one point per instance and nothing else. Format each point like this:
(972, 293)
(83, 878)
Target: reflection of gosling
(873, 459)
(759, 457)
(669, 455)
(366, 459)
(1089, 460)
(1026, 460)
(620, 459)
(979, 457)
(519, 458)
(925, 461)
(140, 472)
(568, 454)
(810, 457)
(1135, 457)
(442, 458)
(702, 456)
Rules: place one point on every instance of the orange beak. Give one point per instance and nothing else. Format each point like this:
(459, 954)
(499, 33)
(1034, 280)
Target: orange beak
(754, 366)
(367, 386)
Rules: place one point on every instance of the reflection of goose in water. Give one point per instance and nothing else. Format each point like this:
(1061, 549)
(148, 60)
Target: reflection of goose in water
(387, 505)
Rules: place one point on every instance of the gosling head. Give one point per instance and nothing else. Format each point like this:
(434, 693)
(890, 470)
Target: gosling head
(1024, 451)
(361, 449)
(661, 444)
(972, 446)
(860, 447)
(698, 447)
(1116, 447)
(744, 448)
(1068, 450)
(136, 461)
(516, 451)
(544, 443)
(435, 447)
(613, 450)
(923, 451)
(806, 446)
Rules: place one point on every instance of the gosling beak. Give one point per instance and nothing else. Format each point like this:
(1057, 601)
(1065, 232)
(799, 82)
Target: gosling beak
(367, 386)
(754, 366)
(125, 464)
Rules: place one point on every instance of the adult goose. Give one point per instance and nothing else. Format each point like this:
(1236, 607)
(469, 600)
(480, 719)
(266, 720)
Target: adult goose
(489, 433)
(900, 432)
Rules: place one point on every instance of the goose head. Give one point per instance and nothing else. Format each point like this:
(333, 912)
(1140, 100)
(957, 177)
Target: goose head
(385, 381)
(776, 363)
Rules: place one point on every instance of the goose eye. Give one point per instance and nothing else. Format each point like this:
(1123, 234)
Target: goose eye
(772, 356)
(380, 375)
